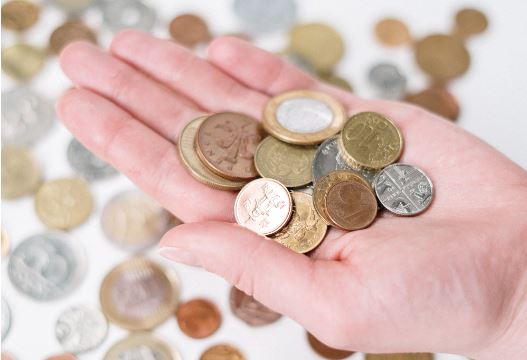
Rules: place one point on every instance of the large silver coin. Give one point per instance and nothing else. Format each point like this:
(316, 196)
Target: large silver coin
(122, 14)
(404, 189)
(86, 164)
(47, 266)
(388, 81)
(265, 16)
(304, 115)
(80, 329)
(26, 117)
(6, 319)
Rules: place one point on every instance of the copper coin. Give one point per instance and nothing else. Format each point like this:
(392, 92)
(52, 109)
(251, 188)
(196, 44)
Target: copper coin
(70, 31)
(19, 15)
(351, 205)
(189, 30)
(392, 32)
(62, 357)
(226, 143)
(438, 100)
(222, 352)
(470, 22)
(250, 310)
(326, 351)
(198, 318)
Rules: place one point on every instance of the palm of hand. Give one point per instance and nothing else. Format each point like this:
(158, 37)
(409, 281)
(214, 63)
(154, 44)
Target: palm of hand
(435, 282)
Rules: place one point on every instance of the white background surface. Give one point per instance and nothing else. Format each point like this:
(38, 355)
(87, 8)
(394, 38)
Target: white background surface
(493, 97)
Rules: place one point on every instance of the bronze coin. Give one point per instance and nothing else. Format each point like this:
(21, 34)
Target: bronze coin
(409, 356)
(392, 32)
(250, 310)
(325, 351)
(198, 318)
(226, 143)
(222, 352)
(438, 100)
(19, 15)
(189, 30)
(70, 31)
(351, 205)
(470, 22)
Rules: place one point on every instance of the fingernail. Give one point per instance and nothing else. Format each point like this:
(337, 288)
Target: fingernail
(179, 255)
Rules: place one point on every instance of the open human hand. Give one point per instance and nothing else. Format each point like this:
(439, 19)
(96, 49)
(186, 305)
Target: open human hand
(453, 279)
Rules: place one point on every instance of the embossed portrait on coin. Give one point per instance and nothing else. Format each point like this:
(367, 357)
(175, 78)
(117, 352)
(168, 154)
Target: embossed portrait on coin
(258, 208)
(235, 141)
(47, 261)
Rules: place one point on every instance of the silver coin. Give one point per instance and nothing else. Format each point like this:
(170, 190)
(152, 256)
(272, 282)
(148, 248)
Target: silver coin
(304, 115)
(265, 16)
(121, 14)
(73, 6)
(299, 61)
(388, 81)
(47, 266)
(26, 117)
(86, 164)
(80, 329)
(404, 189)
(6, 318)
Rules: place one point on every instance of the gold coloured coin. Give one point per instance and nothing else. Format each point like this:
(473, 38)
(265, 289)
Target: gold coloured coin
(222, 352)
(409, 356)
(63, 203)
(20, 173)
(337, 81)
(289, 164)
(19, 15)
(303, 117)
(470, 22)
(306, 229)
(141, 345)
(22, 61)
(73, 30)
(371, 140)
(190, 159)
(392, 32)
(139, 294)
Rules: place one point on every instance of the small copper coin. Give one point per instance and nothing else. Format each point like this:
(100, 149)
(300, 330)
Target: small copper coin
(250, 310)
(198, 318)
(62, 357)
(325, 351)
(392, 32)
(70, 31)
(19, 15)
(409, 356)
(222, 352)
(189, 30)
(438, 100)
(470, 22)
(351, 205)
(226, 143)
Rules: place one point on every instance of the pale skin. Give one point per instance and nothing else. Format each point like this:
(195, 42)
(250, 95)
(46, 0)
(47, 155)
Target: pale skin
(453, 279)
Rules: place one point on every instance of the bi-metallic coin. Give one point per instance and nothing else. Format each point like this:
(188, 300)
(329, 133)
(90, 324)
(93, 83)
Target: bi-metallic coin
(141, 346)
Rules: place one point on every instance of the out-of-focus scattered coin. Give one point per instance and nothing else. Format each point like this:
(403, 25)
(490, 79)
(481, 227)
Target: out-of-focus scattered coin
(72, 30)
(81, 328)
(222, 352)
(47, 266)
(289, 164)
(5, 244)
(141, 346)
(404, 189)
(388, 81)
(250, 310)
(26, 116)
(370, 140)
(22, 61)
(265, 16)
(121, 14)
(87, 164)
(64, 203)
(320, 44)
(226, 143)
(470, 22)
(189, 30)
(65, 356)
(20, 173)
(6, 318)
(303, 117)
(306, 229)
(139, 294)
(73, 6)
(442, 57)
(326, 351)
(409, 356)
(392, 32)
(263, 206)
(337, 81)
(189, 157)
(19, 15)
(198, 318)
(299, 61)
(438, 100)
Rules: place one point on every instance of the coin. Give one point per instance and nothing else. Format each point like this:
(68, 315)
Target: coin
(62, 357)
(263, 206)
(404, 189)
(263, 17)
(73, 6)
(81, 328)
(141, 346)
(63, 203)
(198, 318)
(72, 30)
(20, 173)
(392, 32)
(370, 140)
(226, 143)
(470, 22)
(6, 318)
(26, 116)
(222, 352)
(299, 61)
(325, 351)
(47, 266)
(19, 15)
(249, 310)
(387, 81)
(442, 57)
(320, 44)
(5, 243)
(189, 30)
(139, 294)
(303, 117)
(306, 229)
(409, 356)
(122, 14)
(438, 100)
(22, 61)
(87, 164)
(289, 164)
(337, 81)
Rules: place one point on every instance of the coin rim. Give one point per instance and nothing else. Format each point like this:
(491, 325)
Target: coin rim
(142, 338)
